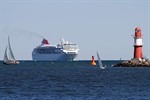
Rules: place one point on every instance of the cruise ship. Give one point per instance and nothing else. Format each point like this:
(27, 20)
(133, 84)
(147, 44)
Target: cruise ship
(64, 51)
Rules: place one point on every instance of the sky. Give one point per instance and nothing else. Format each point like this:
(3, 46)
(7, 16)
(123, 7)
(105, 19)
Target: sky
(106, 26)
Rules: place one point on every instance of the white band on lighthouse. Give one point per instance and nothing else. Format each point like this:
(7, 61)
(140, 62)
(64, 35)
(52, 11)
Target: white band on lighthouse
(138, 41)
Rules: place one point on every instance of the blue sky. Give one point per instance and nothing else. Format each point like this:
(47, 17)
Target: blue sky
(105, 26)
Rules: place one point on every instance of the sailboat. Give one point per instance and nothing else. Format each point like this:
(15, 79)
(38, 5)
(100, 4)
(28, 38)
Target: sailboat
(100, 62)
(9, 58)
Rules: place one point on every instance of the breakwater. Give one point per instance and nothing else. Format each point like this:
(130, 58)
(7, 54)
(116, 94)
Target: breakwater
(134, 63)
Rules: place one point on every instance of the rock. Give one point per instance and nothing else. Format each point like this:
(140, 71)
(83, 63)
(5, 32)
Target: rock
(133, 63)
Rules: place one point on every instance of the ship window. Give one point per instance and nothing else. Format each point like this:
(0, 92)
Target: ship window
(70, 47)
(48, 51)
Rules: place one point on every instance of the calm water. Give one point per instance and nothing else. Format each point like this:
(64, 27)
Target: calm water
(72, 81)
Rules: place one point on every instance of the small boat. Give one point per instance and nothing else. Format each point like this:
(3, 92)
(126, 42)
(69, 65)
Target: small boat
(100, 62)
(9, 58)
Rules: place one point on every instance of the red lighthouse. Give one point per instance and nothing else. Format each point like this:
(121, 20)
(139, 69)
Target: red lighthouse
(138, 43)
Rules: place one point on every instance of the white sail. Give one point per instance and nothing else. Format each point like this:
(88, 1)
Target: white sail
(100, 62)
(5, 55)
(11, 55)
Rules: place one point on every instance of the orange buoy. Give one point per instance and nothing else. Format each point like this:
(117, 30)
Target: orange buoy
(93, 61)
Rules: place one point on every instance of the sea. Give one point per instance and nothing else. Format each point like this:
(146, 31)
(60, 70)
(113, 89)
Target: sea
(74, 80)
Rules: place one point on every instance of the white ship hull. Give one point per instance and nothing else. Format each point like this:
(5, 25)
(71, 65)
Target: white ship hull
(54, 57)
